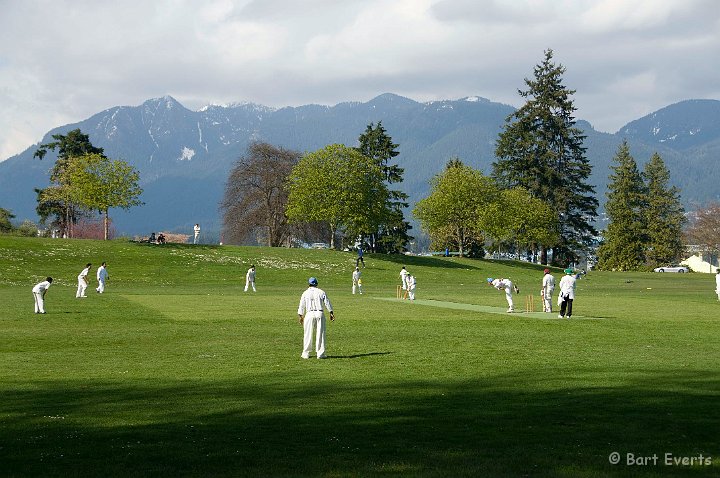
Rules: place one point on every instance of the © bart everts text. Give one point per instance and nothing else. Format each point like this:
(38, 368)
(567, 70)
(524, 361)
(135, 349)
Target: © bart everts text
(665, 459)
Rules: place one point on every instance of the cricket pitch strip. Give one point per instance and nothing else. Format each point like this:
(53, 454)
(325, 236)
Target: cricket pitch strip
(491, 310)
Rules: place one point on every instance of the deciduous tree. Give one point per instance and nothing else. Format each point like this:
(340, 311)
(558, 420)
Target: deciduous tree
(99, 183)
(453, 209)
(340, 186)
(256, 195)
(704, 229)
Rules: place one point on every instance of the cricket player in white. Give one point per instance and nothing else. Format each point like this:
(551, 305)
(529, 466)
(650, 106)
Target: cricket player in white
(83, 281)
(411, 286)
(39, 294)
(196, 231)
(250, 279)
(567, 294)
(311, 316)
(507, 286)
(548, 287)
(356, 280)
(403, 277)
(102, 276)
(717, 283)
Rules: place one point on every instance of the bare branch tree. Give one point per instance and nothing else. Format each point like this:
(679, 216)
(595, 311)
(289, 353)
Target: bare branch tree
(704, 229)
(255, 197)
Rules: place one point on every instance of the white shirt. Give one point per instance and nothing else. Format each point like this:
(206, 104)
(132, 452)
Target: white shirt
(196, 229)
(356, 275)
(567, 286)
(411, 281)
(313, 299)
(717, 282)
(403, 275)
(250, 276)
(102, 273)
(43, 286)
(548, 284)
(84, 273)
(501, 284)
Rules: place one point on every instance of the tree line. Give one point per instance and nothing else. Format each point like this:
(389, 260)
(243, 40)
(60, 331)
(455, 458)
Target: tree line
(537, 197)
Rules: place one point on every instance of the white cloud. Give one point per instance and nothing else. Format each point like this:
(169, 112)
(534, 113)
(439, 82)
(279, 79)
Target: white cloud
(61, 61)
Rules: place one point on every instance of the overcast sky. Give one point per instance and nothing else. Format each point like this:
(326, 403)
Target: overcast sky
(63, 60)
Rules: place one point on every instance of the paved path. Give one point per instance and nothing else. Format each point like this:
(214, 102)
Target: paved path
(520, 313)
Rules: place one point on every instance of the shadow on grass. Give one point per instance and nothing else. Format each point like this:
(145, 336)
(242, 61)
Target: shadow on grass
(370, 354)
(543, 423)
(425, 261)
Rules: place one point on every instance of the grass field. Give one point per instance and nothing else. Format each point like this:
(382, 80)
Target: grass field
(174, 371)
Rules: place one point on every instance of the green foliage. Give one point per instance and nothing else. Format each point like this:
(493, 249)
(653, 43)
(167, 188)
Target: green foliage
(57, 200)
(517, 217)
(98, 183)
(541, 150)
(5, 217)
(664, 215)
(452, 212)
(392, 235)
(27, 229)
(340, 186)
(625, 239)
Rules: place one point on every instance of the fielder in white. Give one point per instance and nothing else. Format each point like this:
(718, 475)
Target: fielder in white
(102, 276)
(567, 294)
(548, 287)
(403, 277)
(39, 293)
(411, 283)
(196, 233)
(83, 281)
(717, 283)
(311, 316)
(507, 286)
(250, 279)
(356, 281)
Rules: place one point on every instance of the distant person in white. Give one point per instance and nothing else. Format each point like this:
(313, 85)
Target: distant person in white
(102, 276)
(717, 283)
(548, 287)
(83, 281)
(39, 293)
(356, 281)
(507, 286)
(311, 316)
(196, 230)
(250, 279)
(403, 277)
(567, 294)
(411, 286)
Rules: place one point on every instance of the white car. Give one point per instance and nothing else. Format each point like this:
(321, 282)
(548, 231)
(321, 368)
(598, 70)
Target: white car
(671, 269)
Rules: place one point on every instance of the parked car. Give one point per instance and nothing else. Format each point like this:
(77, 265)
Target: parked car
(671, 269)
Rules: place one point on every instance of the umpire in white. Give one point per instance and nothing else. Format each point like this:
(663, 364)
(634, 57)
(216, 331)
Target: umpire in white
(310, 312)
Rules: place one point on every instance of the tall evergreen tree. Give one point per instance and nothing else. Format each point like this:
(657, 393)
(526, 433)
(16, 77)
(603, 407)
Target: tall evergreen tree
(391, 236)
(664, 215)
(541, 150)
(624, 241)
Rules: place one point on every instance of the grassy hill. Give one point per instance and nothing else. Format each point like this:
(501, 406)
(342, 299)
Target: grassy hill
(174, 371)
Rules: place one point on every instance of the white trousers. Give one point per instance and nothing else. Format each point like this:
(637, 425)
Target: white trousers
(314, 320)
(547, 306)
(508, 296)
(101, 286)
(248, 284)
(356, 286)
(411, 293)
(82, 285)
(39, 303)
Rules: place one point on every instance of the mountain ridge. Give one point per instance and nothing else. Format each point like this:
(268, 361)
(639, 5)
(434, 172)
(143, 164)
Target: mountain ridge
(184, 156)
